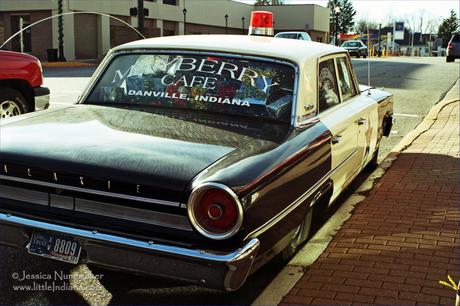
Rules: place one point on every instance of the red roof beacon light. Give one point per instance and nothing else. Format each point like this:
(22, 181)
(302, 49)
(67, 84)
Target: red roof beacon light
(261, 23)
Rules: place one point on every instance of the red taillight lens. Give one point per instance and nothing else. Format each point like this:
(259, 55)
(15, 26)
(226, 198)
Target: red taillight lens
(215, 211)
(261, 19)
(450, 46)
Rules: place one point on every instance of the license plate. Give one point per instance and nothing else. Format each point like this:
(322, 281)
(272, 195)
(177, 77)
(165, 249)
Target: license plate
(55, 246)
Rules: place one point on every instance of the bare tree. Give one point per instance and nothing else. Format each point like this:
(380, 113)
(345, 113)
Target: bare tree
(362, 25)
(268, 2)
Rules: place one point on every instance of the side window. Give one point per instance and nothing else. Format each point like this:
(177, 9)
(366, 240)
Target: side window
(328, 94)
(345, 79)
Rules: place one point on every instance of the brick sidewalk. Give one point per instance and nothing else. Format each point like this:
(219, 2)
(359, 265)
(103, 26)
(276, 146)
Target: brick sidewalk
(404, 237)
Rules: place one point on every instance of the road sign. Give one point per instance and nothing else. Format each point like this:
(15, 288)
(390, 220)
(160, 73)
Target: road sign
(399, 30)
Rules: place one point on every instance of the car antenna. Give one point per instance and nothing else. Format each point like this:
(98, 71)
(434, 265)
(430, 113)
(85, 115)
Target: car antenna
(368, 64)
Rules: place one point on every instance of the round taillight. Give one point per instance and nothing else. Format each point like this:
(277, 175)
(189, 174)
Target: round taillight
(215, 211)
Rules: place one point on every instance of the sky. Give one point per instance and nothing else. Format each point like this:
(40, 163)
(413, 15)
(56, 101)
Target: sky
(410, 11)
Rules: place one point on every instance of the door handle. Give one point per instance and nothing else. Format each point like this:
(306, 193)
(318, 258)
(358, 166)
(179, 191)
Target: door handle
(336, 139)
(361, 121)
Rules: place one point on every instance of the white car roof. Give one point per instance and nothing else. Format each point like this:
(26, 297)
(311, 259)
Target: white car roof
(289, 49)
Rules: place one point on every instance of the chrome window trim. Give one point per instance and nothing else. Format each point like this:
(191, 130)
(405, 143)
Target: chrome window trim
(350, 73)
(332, 56)
(191, 213)
(267, 225)
(109, 58)
(91, 191)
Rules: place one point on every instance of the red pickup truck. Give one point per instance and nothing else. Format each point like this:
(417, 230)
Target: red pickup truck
(21, 77)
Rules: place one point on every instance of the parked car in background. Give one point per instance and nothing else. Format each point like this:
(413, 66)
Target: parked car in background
(197, 157)
(21, 79)
(355, 48)
(294, 35)
(453, 48)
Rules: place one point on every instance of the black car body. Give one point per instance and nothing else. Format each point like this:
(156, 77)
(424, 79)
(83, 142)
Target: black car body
(152, 173)
(453, 48)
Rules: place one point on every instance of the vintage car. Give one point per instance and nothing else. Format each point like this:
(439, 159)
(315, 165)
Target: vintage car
(356, 48)
(294, 35)
(195, 158)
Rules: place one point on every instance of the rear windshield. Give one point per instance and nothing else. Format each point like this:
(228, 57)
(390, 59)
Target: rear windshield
(287, 35)
(456, 38)
(235, 86)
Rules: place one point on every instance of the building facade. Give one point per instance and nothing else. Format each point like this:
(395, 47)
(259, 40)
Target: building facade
(89, 35)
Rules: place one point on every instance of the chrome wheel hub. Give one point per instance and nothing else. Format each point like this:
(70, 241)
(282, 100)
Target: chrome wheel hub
(9, 109)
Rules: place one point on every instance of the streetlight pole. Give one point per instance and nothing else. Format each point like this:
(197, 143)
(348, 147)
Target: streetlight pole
(336, 24)
(140, 16)
(242, 20)
(226, 24)
(60, 33)
(184, 11)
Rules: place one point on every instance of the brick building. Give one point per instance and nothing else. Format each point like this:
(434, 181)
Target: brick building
(90, 36)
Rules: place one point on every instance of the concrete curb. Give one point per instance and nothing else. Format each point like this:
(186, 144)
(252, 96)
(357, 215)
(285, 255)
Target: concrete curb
(296, 268)
(451, 97)
(66, 64)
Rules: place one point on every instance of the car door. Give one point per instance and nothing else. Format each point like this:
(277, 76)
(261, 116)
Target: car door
(365, 107)
(343, 111)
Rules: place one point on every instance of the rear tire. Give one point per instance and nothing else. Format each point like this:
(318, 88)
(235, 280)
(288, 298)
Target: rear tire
(373, 164)
(449, 59)
(302, 233)
(12, 103)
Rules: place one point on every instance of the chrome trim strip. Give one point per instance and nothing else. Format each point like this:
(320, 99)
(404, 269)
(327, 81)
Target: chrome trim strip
(24, 195)
(122, 241)
(91, 191)
(263, 228)
(61, 202)
(133, 214)
(261, 31)
(193, 200)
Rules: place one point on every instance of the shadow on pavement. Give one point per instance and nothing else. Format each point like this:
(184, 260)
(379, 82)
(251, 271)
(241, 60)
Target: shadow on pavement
(69, 72)
(388, 74)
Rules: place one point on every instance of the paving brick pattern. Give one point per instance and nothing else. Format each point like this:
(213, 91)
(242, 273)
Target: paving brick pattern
(403, 238)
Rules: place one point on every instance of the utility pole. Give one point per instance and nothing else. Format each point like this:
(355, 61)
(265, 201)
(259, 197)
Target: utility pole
(380, 46)
(412, 44)
(184, 11)
(140, 16)
(393, 46)
(61, 57)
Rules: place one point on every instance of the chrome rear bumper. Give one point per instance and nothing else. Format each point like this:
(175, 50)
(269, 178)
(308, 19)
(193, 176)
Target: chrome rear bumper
(201, 267)
(42, 98)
